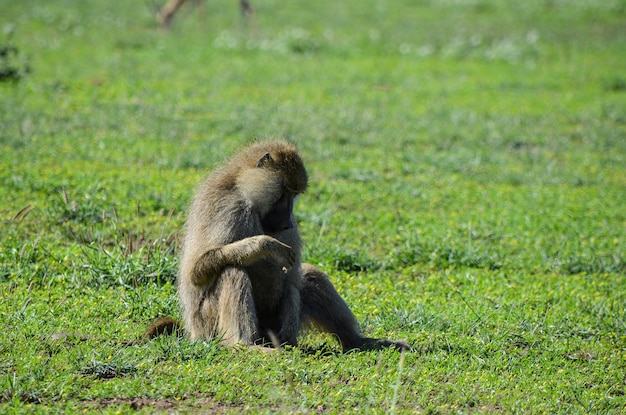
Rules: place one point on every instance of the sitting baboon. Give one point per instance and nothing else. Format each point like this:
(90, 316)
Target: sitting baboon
(241, 278)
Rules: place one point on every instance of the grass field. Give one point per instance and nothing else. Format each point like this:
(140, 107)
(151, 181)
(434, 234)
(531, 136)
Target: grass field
(467, 161)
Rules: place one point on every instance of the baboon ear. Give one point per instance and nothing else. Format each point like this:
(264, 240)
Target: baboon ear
(263, 161)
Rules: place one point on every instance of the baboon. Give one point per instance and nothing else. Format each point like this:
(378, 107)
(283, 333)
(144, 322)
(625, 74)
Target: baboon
(240, 278)
(166, 13)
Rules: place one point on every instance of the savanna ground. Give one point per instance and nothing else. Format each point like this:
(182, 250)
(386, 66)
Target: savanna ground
(467, 163)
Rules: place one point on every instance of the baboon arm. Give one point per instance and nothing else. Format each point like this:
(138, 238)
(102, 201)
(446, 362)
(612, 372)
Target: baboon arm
(290, 315)
(244, 252)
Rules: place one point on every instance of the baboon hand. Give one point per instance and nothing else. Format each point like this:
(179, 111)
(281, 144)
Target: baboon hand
(282, 253)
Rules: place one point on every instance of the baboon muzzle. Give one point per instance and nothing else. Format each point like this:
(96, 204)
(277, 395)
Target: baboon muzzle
(278, 219)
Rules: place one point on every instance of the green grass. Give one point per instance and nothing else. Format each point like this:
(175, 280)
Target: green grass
(467, 164)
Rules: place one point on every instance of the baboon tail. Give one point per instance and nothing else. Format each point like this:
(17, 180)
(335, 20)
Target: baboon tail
(163, 326)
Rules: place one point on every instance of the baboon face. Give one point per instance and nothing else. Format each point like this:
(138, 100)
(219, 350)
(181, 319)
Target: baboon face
(279, 218)
(270, 185)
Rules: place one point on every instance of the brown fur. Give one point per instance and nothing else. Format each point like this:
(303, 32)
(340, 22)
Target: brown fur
(241, 278)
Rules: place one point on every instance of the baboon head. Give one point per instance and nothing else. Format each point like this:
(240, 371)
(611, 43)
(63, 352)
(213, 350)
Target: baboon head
(273, 176)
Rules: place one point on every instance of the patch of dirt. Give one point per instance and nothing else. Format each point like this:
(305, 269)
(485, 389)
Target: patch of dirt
(205, 405)
(137, 403)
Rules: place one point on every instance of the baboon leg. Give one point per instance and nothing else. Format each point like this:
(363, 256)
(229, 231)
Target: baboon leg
(237, 318)
(245, 7)
(323, 307)
(165, 15)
